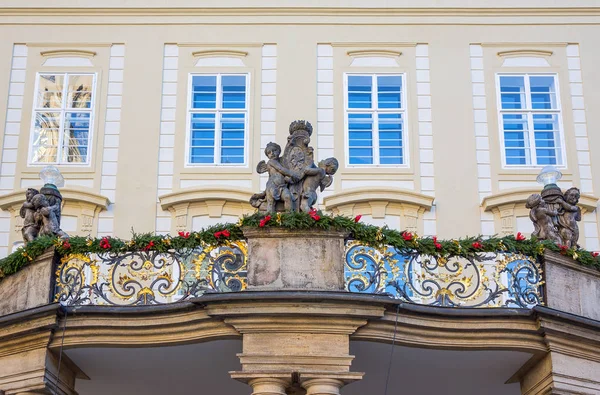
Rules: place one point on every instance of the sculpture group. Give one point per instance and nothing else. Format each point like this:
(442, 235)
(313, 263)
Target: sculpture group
(41, 213)
(555, 215)
(293, 178)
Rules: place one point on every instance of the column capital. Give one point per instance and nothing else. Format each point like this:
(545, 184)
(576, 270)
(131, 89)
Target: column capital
(268, 386)
(322, 386)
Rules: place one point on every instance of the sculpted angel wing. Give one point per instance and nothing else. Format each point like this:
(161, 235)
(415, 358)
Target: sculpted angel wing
(325, 182)
(262, 167)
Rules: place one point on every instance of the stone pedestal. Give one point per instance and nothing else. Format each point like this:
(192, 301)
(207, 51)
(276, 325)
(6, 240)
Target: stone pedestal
(31, 287)
(571, 287)
(281, 259)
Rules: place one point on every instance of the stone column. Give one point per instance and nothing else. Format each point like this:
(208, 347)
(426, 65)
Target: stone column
(324, 386)
(268, 386)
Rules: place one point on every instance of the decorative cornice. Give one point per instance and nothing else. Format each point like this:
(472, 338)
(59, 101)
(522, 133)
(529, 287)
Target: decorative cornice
(221, 53)
(68, 52)
(525, 52)
(374, 52)
(183, 9)
(194, 195)
(392, 195)
(69, 195)
(519, 196)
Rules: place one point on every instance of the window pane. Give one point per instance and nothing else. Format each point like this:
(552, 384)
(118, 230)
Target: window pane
(232, 138)
(79, 91)
(516, 140)
(202, 133)
(389, 89)
(234, 91)
(390, 139)
(46, 137)
(543, 92)
(75, 140)
(512, 92)
(546, 138)
(50, 88)
(359, 91)
(204, 91)
(360, 131)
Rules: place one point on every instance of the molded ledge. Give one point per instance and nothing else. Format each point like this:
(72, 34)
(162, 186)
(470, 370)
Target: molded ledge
(525, 52)
(519, 196)
(359, 195)
(68, 52)
(201, 195)
(69, 194)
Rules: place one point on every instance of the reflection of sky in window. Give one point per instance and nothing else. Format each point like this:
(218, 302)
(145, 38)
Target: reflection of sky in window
(205, 127)
(389, 91)
(362, 143)
(359, 91)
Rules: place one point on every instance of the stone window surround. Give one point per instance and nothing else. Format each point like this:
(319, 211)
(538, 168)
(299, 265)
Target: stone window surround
(493, 56)
(410, 206)
(213, 202)
(86, 174)
(188, 55)
(404, 54)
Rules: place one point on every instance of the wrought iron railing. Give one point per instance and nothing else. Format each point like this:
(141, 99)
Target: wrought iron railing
(483, 280)
(149, 277)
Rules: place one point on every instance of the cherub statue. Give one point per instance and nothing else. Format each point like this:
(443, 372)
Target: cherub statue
(316, 177)
(30, 228)
(279, 177)
(47, 215)
(569, 230)
(542, 217)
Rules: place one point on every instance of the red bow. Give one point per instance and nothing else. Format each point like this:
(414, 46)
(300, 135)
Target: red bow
(264, 221)
(185, 235)
(224, 233)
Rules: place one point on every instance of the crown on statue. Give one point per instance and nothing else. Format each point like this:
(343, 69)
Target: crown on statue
(301, 125)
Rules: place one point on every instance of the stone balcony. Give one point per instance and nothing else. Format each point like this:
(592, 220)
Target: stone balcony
(297, 299)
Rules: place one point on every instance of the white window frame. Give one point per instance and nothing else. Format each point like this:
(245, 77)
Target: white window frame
(529, 112)
(375, 111)
(62, 111)
(218, 110)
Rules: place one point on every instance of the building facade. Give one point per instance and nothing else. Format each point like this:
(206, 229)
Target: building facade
(441, 115)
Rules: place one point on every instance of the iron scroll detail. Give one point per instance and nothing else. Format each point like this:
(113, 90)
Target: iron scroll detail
(483, 280)
(150, 277)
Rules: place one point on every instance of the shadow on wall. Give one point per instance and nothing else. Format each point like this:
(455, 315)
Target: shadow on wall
(418, 371)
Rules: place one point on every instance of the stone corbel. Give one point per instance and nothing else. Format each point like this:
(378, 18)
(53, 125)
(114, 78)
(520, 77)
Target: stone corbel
(506, 213)
(180, 213)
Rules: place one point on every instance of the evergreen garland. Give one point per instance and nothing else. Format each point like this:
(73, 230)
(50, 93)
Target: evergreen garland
(221, 234)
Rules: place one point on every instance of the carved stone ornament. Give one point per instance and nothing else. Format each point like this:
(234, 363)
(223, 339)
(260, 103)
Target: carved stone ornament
(293, 178)
(555, 215)
(41, 213)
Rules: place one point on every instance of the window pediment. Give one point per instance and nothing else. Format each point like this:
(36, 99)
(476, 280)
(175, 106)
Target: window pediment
(519, 196)
(68, 58)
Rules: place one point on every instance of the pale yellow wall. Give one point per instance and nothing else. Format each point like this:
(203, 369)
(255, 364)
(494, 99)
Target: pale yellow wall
(296, 33)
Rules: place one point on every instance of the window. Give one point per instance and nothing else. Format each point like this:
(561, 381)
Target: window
(375, 117)
(530, 120)
(218, 119)
(62, 118)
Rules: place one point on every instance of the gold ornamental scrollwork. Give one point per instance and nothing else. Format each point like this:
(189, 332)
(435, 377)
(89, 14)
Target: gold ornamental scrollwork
(150, 277)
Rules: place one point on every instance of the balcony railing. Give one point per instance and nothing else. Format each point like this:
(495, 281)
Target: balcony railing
(150, 277)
